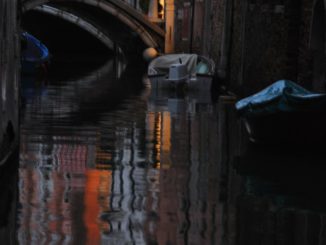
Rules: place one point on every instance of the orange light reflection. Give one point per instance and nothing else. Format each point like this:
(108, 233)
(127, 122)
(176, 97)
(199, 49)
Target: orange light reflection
(96, 201)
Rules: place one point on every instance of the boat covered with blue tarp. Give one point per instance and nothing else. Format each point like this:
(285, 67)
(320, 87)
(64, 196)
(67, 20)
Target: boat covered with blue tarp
(283, 95)
(284, 111)
(34, 53)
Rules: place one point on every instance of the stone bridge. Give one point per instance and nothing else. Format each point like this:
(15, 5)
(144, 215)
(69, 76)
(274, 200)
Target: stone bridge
(90, 16)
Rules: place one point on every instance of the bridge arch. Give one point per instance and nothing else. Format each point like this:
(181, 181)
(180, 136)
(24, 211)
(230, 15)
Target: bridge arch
(89, 27)
(109, 8)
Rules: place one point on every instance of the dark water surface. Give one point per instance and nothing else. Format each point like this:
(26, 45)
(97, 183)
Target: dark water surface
(105, 161)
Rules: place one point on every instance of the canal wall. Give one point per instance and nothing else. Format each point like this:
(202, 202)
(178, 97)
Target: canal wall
(270, 41)
(273, 40)
(9, 77)
(256, 42)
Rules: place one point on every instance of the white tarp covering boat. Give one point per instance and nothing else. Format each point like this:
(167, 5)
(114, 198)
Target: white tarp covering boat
(195, 64)
(182, 72)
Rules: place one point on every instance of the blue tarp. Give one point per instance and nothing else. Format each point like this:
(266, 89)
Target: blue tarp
(35, 51)
(283, 95)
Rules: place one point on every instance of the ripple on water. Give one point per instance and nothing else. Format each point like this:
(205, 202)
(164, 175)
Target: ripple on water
(97, 169)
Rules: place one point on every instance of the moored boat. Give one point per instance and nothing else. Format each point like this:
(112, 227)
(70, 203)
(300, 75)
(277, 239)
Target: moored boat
(284, 112)
(35, 55)
(190, 71)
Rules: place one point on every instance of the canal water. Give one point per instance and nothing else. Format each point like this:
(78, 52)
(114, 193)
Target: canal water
(106, 160)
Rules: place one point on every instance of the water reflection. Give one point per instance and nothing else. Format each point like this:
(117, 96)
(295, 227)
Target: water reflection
(185, 132)
(105, 160)
(275, 194)
(113, 179)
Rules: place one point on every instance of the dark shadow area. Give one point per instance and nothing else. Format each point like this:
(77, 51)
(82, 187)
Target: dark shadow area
(124, 37)
(271, 193)
(9, 199)
(294, 176)
(71, 48)
(63, 37)
(290, 173)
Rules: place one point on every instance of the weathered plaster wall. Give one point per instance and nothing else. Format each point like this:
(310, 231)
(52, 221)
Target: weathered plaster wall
(260, 45)
(183, 24)
(270, 41)
(305, 56)
(217, 28)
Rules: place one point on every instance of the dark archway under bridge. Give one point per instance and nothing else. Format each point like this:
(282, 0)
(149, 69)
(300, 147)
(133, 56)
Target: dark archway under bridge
(112, 24)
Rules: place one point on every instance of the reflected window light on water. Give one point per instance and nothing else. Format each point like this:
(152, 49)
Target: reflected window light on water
(96, 201)
(162, 133)
(97, 171)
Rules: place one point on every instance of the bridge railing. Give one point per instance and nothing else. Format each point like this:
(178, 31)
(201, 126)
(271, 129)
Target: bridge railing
(137, 13)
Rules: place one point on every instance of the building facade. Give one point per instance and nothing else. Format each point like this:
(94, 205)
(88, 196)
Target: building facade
(255, 42)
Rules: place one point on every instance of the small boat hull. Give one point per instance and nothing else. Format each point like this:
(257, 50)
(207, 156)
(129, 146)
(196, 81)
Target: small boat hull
(200, 83)
(289, 127)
